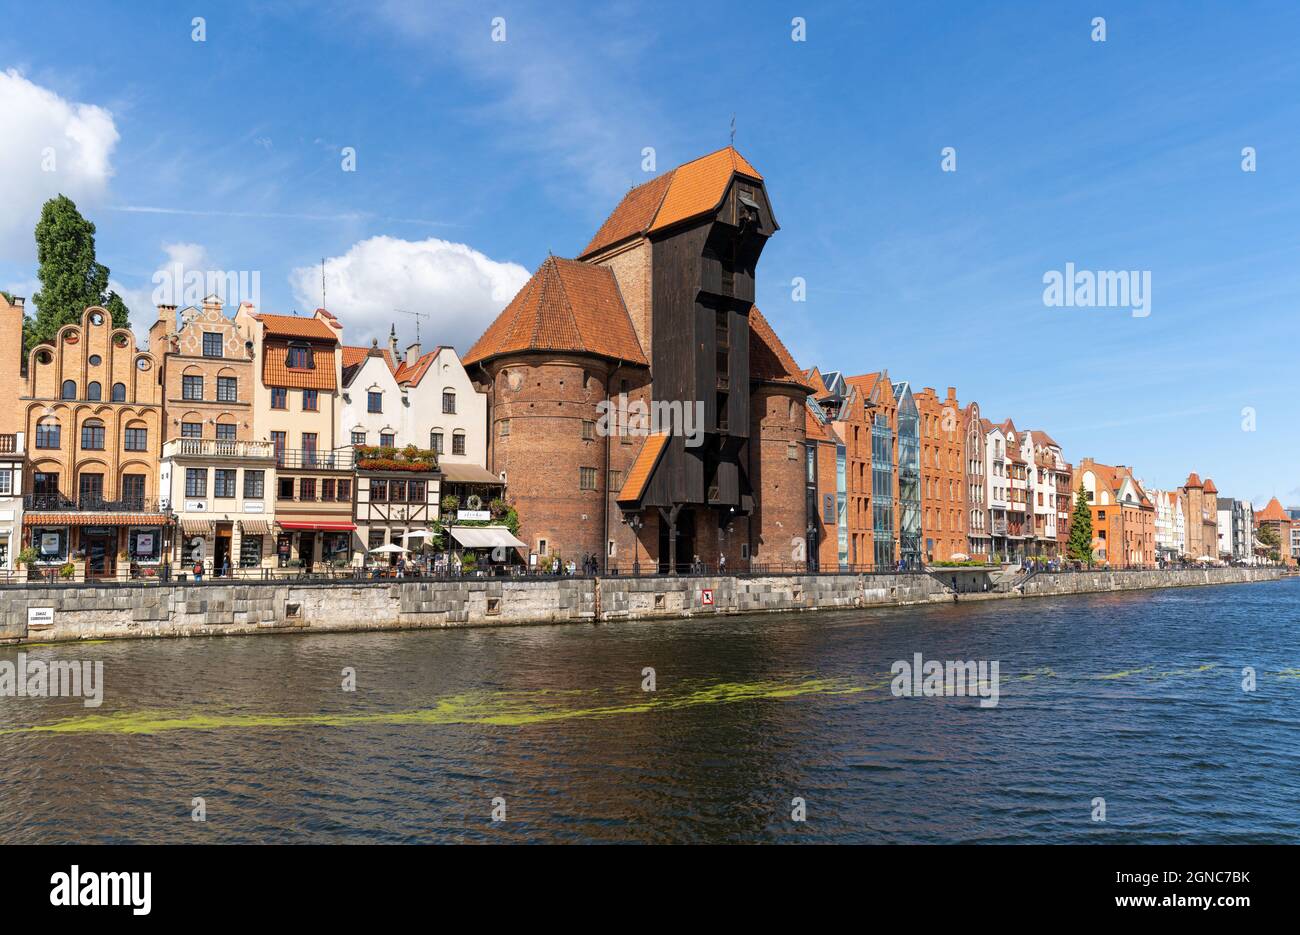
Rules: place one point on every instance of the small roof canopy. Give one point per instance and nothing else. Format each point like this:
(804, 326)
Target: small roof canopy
(485, 537)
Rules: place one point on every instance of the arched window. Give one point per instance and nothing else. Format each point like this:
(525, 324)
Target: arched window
(449, 402)
(69, 390)
(93, 391)
(458, 442)
(435, 440)
(119, 392)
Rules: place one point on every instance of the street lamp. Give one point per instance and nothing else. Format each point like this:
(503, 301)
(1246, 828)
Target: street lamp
(635, 522)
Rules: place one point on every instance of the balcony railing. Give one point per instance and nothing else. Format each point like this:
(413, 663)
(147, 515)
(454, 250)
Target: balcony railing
(340, 459)
(58, 503)
(11, 443)
(218, 448)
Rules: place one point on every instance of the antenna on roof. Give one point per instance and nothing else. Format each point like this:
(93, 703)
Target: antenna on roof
(418, 316)
(733, 129)
(322, 283)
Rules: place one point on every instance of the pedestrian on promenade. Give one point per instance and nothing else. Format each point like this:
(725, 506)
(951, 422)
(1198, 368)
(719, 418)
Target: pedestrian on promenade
(198, 571)
(722, 564)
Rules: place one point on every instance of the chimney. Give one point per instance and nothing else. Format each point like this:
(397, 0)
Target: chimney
(212, 304)
(167, 315)
(413, 352)
(392, 341)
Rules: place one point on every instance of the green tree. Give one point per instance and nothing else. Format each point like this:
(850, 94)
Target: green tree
(1267, 537)
(1080, 546)
(71, 278)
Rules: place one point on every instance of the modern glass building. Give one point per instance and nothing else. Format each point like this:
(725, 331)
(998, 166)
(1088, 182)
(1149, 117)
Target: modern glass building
(882, 493)
(909, 477)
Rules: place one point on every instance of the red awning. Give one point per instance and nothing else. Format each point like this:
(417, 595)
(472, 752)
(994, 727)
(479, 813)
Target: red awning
(320, 527)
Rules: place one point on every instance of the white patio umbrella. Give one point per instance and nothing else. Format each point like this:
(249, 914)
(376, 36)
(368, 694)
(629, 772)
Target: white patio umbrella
(387, 549)
(419, 534)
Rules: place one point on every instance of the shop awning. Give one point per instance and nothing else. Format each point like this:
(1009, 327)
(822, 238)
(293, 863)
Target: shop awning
(485, 537)
(467, 474)
(254, 527)
(319, 527)
(94, 519)
(196, 527)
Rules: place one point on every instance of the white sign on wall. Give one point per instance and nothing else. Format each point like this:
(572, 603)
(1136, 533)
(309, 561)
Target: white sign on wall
(49, 543)
(40, 616)
(473, 514)
(252, 507)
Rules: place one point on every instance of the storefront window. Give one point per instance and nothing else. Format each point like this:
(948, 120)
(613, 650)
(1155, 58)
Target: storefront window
(250, 551)
(145, 544)
(50, 544)
(334, 546)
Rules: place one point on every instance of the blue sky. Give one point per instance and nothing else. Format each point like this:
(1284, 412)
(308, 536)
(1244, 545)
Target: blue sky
(475, 158)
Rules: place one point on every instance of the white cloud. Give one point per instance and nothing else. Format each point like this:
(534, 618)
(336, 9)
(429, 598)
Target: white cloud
(51, 145)
(459, 288)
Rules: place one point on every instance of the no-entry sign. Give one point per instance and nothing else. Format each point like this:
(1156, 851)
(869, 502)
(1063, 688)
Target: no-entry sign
(706, 597)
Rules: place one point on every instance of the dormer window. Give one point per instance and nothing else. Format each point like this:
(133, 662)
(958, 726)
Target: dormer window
(300, 357)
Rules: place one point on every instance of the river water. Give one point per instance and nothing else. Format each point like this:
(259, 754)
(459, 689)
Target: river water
(1135, 699)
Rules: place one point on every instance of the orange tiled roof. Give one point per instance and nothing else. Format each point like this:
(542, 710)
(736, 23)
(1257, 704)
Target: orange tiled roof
(413, 373)
(1273, 513)
(1044, 438)
(769, 361)
(642, 468)
(1209, 486)
(94, 519)
(692, 189)
(354, 355)
(566, 306)
(295, 326)
(1192, 480)
(276, 371)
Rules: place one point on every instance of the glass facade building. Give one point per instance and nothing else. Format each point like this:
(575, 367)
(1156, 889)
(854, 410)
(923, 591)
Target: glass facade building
(882, 493)
(909, 477)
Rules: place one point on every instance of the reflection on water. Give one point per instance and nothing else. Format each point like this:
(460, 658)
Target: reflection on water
(1136, 698)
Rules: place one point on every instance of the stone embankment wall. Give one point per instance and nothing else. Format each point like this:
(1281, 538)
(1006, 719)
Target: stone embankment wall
(41, 614)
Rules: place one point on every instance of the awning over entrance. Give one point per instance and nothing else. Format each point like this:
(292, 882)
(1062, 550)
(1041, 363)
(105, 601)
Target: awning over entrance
(485, 537)
(94, 519)
(467, 474)
(196, 527)
(255, 527)
(320, 527)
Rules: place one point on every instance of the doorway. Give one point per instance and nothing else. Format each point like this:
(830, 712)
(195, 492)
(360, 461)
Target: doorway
(101, 552)
(306, 549)
(685, 543)
(221, 550)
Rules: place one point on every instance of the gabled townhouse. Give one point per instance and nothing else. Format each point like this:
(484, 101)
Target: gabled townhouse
(91, 405)
(998, 490)
(397, 495)
(881, 409)
(846, 407)
(825, 464)
(1051, 495)
(1123, 516)
(944, 522)
(1170, 524)
(1020, 517)
(974, 451)
(215, 475)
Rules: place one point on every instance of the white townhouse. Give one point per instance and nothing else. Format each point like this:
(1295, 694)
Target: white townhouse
(425, 400)
(12, 454)
(1171, 524)
(997, 487)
